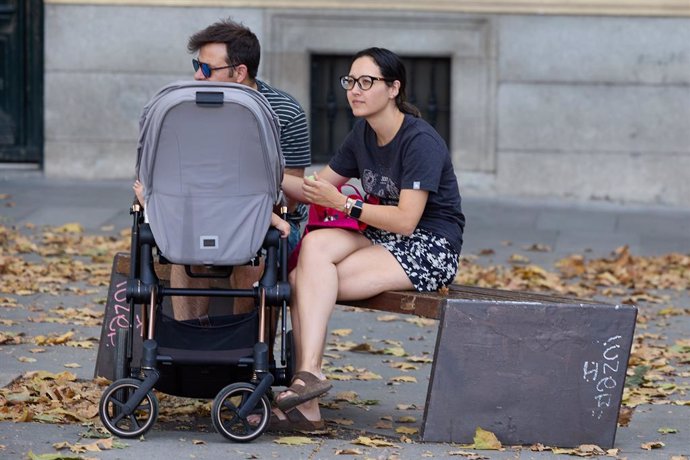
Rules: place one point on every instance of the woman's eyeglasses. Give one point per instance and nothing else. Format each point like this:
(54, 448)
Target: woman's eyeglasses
(364, 82)
(206, 69)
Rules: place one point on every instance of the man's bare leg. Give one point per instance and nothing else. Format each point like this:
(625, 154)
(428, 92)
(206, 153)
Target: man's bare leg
(188, 307)
(244, 277)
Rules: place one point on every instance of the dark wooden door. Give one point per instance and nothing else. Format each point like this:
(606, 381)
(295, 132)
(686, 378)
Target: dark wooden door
(21, 81)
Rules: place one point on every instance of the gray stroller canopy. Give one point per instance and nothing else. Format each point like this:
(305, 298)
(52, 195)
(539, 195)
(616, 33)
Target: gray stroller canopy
(210, 161)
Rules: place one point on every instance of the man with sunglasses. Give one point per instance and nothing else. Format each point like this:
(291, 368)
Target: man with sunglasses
(228, 51)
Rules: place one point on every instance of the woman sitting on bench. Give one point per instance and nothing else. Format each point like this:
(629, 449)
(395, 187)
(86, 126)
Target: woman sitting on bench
(414, 233)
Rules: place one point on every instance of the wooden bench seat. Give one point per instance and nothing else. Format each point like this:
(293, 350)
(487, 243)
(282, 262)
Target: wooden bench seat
(430, 304)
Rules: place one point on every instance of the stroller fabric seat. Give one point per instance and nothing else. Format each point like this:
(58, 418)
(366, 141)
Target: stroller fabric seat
(210, 161)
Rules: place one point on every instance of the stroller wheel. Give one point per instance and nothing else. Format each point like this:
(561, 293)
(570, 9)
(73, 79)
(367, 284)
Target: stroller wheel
(113, 416)
(227, 420)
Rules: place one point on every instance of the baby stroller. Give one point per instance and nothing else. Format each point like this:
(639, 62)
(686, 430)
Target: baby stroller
(210, 161)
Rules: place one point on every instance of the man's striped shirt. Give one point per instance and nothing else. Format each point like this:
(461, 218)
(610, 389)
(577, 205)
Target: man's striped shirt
(294, 132)
(294, 136)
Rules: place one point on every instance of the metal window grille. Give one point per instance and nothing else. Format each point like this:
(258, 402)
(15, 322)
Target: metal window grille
(428, 88)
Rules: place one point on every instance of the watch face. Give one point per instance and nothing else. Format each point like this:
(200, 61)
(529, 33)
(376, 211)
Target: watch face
(356, 210)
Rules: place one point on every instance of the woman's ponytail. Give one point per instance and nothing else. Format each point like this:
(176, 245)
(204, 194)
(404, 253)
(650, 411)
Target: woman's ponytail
(406, 107)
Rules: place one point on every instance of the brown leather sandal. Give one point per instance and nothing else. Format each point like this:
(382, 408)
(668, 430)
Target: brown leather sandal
(313, 387)
(295, 421)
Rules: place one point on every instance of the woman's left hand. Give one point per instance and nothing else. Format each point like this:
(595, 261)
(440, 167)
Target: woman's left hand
(322, 192)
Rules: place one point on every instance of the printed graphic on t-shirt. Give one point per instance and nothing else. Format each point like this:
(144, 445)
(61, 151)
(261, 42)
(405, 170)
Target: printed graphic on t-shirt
(380, 185)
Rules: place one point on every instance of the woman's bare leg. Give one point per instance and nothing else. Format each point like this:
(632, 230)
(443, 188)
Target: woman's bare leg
(334, 264)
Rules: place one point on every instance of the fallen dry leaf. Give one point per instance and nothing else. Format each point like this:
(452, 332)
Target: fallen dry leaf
(53, 339)
(383, 425)
(518, 259)
(342, 421)
(667, 430)
(96, 446)
(387, 318)
(348, 452)
(403, 366)
(394, 351)
(537, 247)
(406, 430)
(485, 440)
(652, 445)
(351, 346)
(295, 441)
(59, 456)
(372, 442)
(468, 455)
(590, 449)
(405, 407)
(341, 332)
(11, 338)
(72, 227)
(422, 322)
(346, 396)
(367, 376)
(87, 344)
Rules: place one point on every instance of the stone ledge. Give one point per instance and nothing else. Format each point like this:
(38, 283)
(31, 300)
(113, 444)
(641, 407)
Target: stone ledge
(562, 7)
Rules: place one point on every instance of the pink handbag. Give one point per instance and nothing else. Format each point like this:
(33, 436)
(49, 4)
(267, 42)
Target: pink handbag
(323, 217)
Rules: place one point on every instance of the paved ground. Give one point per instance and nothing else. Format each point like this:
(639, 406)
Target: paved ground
(505, 226)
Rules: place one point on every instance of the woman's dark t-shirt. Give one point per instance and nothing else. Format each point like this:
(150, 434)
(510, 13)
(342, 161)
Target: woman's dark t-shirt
(417, 158)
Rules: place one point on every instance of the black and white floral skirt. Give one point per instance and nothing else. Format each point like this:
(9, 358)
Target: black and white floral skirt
(429, 260)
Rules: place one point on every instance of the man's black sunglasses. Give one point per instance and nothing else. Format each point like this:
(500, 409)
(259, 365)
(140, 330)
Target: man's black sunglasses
(206, 69)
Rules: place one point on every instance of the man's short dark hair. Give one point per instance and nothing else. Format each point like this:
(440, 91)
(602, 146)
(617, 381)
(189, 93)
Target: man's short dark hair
(241, 44)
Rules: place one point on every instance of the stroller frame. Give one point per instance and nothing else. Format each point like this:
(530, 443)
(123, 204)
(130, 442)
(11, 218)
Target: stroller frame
(128, 407)
(197, 117)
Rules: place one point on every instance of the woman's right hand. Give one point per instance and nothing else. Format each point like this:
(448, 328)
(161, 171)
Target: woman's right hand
(322, 192)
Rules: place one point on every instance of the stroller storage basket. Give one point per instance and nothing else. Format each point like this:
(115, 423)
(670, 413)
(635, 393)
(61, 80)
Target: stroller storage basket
(226, 332)
(198, 360)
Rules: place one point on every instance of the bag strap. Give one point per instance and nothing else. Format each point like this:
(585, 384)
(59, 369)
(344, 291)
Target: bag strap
(355, 190)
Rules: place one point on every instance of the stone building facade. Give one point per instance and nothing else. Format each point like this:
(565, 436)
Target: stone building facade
(556, 99)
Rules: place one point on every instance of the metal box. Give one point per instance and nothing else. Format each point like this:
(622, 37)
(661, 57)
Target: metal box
(530, 369)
